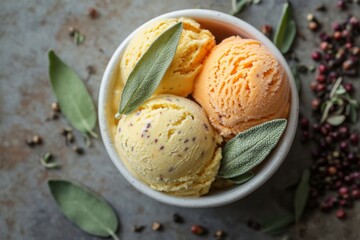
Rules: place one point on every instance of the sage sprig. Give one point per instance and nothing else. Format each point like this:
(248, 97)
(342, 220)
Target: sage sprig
(301, 194)
(344, 104)
(249, 148)
(74, 100)
(150, 69)
(82, 207)
(286, 31)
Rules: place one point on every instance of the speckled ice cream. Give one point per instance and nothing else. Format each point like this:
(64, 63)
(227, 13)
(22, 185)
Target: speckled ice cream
(169, 144)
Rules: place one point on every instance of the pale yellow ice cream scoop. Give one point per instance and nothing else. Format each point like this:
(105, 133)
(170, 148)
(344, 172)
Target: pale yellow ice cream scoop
(242, 85)
(194, 45)
(169, 144)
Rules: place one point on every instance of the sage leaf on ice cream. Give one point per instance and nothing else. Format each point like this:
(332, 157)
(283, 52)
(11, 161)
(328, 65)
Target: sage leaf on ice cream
(243, 178)
(286, 30)
(87, 211)
(75, 101)
(302, 194)
(249, 148)
(150, 69)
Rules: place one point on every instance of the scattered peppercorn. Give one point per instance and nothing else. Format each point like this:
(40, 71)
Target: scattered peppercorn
(90, 69)
(156, 226)
(177, 218)
(341, 214)
(78, 150)
(266, 29)
(219, 234)
(93, 13)
(138, 229)
(198, 230)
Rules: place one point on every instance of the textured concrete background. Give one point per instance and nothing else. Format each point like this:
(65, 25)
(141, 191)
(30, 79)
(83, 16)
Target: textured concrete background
(28, 29)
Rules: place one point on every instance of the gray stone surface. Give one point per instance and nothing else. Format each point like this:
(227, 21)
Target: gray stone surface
(28, 29)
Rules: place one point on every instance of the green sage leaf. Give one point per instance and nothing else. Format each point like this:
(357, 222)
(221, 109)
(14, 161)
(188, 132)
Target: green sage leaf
(326, 111)
(238, 6)
(302, 194)
(75, 101)
(249, 148)
(335, 87)
(353, 113)
(82, 207)
(243, 178)
(276, 225)
(295, 72)
(336, 120)
(286, 31)
(150, 69)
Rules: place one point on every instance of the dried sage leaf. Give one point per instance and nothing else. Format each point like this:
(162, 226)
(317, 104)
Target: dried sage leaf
(302, 194)
(75, 101)
(336, 120)
(150, 69)
(243, 178)
(238, 6)
(276, 225)
(82, 207)
(286, 31)
(249, 148)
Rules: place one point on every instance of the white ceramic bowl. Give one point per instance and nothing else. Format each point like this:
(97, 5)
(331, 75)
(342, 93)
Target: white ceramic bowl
(221, 25)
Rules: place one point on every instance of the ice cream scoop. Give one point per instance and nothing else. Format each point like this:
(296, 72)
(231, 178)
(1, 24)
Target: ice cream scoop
(194, 45)
(169, 144)
(242, 85)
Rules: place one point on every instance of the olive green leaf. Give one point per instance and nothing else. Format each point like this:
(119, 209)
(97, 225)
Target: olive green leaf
(249, 148)
(47, 161)
(150, 69)
(82, 207)
(277, 225)
(302, 194)
(75, 101)
(242, 178)
(238, 6)
(286, 31)
(295, 72)
(335, 87)
(336, 120)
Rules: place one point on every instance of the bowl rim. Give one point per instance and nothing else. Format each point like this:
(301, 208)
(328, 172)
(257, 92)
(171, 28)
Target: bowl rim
(235, 193)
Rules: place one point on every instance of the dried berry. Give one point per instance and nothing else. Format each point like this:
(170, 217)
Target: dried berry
(198, 230)
(93, 13)
(341, 214)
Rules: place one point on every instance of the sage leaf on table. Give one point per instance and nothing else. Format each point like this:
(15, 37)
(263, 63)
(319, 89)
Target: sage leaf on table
(243, 178)
(74, 100)
(301, 194)
(286, 30)
(82, 207)
(150, 69)
(238, 6)
(336, 120)
(249, 148)
(295, 72)
(277, 225)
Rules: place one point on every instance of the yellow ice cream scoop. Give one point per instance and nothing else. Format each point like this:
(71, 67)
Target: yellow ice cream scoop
(194, 45)
(169, 144)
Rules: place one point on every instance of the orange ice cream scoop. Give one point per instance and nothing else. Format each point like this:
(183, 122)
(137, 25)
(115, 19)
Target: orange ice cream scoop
(242, 85)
